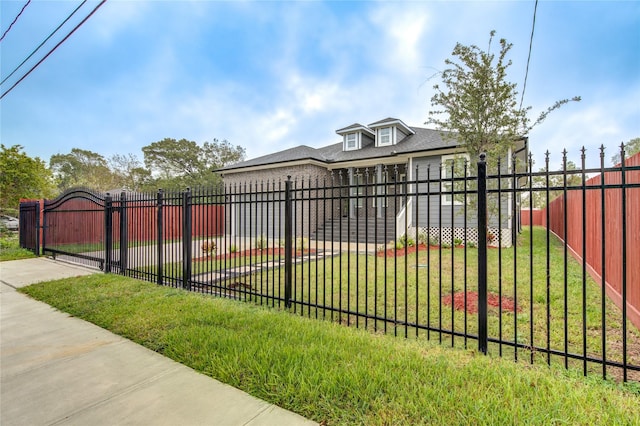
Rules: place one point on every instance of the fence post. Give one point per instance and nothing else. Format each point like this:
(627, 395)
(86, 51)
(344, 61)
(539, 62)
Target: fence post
(124, 237)
(160, 252)
(288, 261)
(38, 228)
(108, 233)
(186, 239)
(482, 254)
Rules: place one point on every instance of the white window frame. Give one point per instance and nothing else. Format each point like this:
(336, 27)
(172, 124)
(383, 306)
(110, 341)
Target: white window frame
(445, 184)
(390, 135)
(347, 141)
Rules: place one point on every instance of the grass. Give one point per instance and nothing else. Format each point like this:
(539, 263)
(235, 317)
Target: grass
(368, 288)
(10, 248)
(335, 374)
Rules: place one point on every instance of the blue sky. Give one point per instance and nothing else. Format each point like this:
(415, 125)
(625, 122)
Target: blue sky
(273, 75)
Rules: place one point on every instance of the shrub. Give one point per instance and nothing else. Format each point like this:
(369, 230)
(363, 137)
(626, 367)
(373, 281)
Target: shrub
(302, 243)
(209, 247)
(405, 241)
(233, 248)
(261, 243)
(423, 238)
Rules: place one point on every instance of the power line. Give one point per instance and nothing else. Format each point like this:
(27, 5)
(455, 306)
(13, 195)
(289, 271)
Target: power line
(54, 48)
(14, 21)
(526, 73)
(42, 44)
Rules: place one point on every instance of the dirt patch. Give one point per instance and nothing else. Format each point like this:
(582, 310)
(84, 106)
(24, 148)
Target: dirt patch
(493, 300)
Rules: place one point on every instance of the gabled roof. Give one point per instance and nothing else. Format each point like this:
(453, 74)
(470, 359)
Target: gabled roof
(389, 121)
(354, 127)
(418, 140)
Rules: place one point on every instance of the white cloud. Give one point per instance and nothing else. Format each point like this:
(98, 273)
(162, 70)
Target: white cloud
(606, 120)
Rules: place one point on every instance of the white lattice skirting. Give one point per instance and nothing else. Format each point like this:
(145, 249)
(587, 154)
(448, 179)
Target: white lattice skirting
(457, 235)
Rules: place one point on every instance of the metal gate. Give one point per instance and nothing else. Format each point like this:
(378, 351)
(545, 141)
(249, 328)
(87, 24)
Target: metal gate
(30, 226)
(79, 226)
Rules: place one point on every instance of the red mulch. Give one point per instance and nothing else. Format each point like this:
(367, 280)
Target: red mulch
(508, 305)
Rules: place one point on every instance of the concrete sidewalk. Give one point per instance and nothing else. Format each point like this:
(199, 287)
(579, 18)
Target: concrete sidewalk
(56, 369)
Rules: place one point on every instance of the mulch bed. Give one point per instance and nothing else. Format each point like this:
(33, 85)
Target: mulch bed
(493, 300)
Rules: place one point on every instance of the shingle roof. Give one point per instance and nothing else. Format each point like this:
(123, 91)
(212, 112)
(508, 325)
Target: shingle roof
(422, 140)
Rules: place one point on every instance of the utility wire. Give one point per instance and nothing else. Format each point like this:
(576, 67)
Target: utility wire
(55, 47)
(42, 44)
(526, 73)
(14, 21)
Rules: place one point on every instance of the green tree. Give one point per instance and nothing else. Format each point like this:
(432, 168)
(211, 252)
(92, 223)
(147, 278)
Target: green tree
(631, 148)
(556, 180)
(183, 163)
(82, 168)
(22, 177)
(128, 172)
(478, 106)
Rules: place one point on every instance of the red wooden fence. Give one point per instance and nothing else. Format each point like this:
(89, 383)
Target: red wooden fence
(595, 226)
(77, 225)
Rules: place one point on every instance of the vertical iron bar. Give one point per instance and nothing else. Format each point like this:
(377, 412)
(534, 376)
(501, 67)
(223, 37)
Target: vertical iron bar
(603, 282)
(624, 263)
(159, 238)
(428, 252)
(186, 239)
(514, 184)
(465, 207)
(482, 254)
(452, 244)
(416, 190)
(108, 229)
(38, 228)
(584, 266)
(565, 253)
(499, 199)
(287, 243)
(531, 317)
(548, 262)
(124, 249)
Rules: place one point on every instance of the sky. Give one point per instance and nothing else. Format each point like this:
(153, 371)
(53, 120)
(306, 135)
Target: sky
(271, 75)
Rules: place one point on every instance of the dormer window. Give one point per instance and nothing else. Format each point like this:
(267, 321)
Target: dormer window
(385, 136)
(390, 131)
(351, 142)
(356, 137)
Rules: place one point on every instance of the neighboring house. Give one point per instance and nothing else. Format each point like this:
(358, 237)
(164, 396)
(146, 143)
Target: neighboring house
(370, 167)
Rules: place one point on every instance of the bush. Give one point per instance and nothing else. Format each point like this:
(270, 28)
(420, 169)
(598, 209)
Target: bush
(261, 243)
(209, 247)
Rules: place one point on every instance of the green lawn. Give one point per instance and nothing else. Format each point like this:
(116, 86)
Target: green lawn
(10, 248)
(336, 374)
(368, 287)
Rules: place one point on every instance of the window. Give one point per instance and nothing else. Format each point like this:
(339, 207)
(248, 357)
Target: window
(453, 166)
(350, 141)
(384, 136)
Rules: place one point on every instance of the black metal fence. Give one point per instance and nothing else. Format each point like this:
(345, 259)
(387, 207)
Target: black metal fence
(459, 266)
